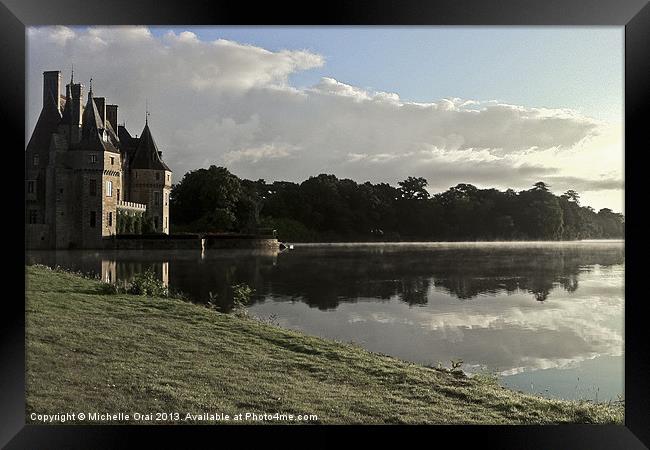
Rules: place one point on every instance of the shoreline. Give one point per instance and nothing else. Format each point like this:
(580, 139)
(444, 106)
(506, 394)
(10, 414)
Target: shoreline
(92, 351)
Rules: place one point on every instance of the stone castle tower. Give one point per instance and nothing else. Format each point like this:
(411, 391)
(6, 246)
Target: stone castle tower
(82, 169)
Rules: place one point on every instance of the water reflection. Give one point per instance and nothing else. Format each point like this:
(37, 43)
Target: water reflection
(548, 309)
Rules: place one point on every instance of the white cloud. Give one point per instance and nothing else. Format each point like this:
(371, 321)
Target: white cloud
(223, 102)
(266, 151)
(561, 332)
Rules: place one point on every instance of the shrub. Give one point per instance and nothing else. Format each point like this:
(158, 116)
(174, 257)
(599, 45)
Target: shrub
(241, 296)
(147, 283)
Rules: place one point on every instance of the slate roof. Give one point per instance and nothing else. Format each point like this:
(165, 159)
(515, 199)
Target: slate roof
(91, 127)
(128, 144)
(115, 140)
(47, 124)
(146, 154)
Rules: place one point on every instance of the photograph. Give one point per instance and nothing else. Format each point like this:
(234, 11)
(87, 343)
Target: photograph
(324, 225)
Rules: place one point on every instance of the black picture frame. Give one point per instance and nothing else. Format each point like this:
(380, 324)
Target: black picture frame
(634, 15)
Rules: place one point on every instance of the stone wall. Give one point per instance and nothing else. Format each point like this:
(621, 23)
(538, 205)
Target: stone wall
(184, 243)
(144, 243)
(241, 243)
(152, 188)
(37, 236)
(112, 172)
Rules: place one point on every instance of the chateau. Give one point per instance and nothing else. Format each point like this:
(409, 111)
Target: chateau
(82, 169)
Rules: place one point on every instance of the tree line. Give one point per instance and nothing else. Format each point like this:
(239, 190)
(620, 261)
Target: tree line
(326, 208)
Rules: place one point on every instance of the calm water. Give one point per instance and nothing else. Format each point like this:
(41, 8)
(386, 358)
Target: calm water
(547, 317)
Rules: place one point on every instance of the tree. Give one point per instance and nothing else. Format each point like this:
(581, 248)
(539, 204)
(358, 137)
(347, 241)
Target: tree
(414, 188)
(137, 224)
(148, 225)
(208, 196)
(573, 196)
(541, 186)
(325, 207)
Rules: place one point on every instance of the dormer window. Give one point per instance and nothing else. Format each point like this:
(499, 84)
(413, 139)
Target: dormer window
(35, 160)
(104, 136)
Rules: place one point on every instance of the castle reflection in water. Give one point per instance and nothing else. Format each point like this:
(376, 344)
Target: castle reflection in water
(199, 275)
(326, 276)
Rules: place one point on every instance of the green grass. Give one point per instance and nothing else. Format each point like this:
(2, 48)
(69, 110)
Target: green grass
(88, 351)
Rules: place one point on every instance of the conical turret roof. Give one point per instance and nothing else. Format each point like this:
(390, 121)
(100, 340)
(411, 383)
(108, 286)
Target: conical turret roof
(146, 154)
(92, 127)
(47, 124)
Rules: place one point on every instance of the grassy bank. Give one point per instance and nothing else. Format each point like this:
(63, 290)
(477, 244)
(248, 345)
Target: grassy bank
(92, 352)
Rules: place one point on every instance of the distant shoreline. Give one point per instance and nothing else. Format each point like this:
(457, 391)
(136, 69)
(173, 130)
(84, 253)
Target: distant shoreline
(460, 243)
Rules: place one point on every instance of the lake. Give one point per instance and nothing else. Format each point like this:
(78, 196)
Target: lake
(547, 317)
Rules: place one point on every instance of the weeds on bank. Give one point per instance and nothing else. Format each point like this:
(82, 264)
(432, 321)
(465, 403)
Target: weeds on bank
(241, 297)
(60, 269)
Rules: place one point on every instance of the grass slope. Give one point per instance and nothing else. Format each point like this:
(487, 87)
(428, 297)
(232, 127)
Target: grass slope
(91, 352)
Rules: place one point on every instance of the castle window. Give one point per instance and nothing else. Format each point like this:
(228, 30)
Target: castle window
(33, 216)
(109, 189)
(118, 195)
(166, 199)
(35, 160)
(155, 223)
(168, 177)
(110, 219)
(93, 219)
(112, 160)
(92, 187)
(157, 175)
(165, 222)
(92, 158)
(30, 187)
(156, 198)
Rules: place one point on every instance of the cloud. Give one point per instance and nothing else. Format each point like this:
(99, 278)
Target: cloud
(585, 185)
(254, 155)
(558, 333)
(227, 103)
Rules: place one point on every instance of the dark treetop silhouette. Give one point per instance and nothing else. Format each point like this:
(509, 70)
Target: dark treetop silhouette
(325, 208)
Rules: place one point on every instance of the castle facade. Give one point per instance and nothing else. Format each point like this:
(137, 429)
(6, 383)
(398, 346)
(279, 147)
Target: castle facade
(82, 170)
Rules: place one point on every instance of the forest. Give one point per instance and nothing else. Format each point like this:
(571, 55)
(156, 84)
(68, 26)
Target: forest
(325, 208)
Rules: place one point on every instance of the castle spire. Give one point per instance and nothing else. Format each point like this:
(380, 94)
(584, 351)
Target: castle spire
(146, 112)
(90, 91)
(72, 74)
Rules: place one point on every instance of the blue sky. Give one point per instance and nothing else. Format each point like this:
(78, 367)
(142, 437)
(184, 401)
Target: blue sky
(500, 107)
(554, 67)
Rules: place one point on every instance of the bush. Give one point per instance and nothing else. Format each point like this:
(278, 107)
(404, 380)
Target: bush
(147, 283)
(241, 296)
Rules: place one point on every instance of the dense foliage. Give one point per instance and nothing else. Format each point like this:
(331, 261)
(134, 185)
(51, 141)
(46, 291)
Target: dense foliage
(134, 223)
(325, 208)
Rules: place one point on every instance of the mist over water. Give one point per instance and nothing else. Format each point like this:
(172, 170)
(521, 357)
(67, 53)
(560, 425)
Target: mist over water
(546, 316)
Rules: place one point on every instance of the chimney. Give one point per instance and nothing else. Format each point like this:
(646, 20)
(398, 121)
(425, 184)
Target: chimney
(111, 116)
(100, 102)
(52, 89)
(76, 109)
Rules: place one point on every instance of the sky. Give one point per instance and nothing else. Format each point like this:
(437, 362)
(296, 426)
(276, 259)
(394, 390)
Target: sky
(500, 107)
